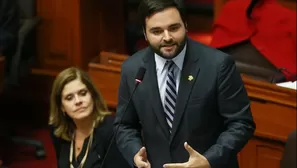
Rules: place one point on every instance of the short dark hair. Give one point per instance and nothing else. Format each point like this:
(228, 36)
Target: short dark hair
(147, 8)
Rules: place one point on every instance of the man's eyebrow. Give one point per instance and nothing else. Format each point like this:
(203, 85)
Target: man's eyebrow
(172, 25)
(155, 28)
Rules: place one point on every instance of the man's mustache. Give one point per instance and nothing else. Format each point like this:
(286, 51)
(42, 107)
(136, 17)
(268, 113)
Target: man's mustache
(168, 45)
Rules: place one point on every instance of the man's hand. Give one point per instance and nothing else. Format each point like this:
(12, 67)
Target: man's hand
(140, 159)
(196, 160)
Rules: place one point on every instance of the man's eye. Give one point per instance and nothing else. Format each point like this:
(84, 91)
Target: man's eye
(173, 29)
(157, 32)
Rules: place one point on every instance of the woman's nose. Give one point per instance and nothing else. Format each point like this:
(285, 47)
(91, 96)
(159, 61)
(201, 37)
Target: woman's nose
(77, 100)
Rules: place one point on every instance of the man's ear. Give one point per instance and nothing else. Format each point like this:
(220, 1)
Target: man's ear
(144, 34)
(186, 26)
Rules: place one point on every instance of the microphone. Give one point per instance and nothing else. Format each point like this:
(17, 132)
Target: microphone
(138, 79)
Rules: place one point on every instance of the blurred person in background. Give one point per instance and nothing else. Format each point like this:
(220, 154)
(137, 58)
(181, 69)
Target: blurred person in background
(260, 32)
(9, 26)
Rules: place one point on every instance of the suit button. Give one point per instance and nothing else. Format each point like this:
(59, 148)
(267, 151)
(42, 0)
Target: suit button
(99, 156)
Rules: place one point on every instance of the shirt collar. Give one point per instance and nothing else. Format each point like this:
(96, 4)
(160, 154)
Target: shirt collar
(178, 60)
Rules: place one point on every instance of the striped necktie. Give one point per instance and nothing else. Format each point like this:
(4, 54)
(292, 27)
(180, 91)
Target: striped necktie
(170, 94)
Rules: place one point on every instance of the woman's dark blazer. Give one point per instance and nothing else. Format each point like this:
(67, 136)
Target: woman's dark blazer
(102, 137)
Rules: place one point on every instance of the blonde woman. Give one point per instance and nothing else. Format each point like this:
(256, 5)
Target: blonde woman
(81, 126)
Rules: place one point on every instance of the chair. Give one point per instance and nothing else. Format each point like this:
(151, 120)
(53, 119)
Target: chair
(289, 155)
(2, 61)
(28, 22)
(251, 62)
(20, 61)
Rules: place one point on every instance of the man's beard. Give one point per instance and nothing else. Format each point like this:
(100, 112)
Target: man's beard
(179, 48)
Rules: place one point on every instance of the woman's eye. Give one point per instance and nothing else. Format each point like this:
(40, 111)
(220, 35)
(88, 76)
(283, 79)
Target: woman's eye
(70, 97)
(83, 92)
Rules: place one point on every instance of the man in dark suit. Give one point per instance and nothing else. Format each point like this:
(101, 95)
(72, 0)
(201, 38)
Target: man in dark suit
(191, 109)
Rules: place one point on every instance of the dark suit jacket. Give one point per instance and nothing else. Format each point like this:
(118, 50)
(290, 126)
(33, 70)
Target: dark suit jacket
(212, 111)
(289, 155)
(102, 138)
(272, 30)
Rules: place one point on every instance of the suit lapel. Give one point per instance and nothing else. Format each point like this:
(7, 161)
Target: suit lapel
(96, 152)
(188, 77)
(153, 90)
(64, 155)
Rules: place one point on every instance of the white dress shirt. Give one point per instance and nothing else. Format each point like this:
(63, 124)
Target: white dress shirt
(162, 72)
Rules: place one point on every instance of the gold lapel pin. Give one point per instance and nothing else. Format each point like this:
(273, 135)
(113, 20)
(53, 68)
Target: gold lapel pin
(190, 78)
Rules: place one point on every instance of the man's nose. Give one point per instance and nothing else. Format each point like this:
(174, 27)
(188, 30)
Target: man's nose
(167, 36)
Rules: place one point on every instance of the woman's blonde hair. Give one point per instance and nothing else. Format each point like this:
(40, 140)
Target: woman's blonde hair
(64, 126)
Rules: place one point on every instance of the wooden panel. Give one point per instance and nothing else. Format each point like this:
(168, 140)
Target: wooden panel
(111, 59)
(112, 26)
(259, 153)
(105, 73)
(56, 33)
(273, 109)
(88, 21)
(281, 118)
(102, 29)
(108, 84)
(73, 32)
